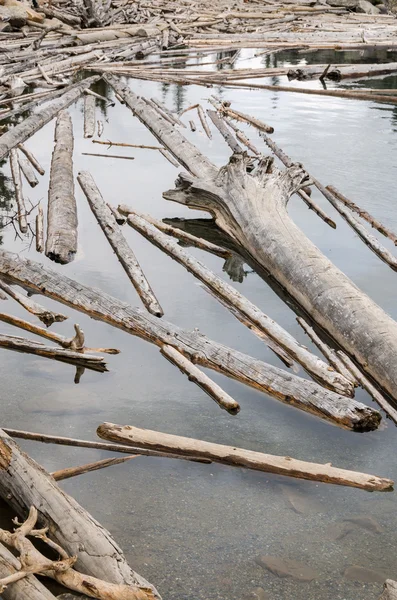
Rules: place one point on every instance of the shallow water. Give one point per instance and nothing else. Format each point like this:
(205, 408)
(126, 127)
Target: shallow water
(195, 530)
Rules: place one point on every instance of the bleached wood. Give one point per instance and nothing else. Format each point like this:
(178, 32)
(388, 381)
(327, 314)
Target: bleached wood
(89, 116)
(389, 590)
(46, 316)
(16, 177)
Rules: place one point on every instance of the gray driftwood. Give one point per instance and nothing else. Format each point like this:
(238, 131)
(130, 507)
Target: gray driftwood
(46, 316)
(89, 116)
(284, 386)
(61, 244)
(389, 590)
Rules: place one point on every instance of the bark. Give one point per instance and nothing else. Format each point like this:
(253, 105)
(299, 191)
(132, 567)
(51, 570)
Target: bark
(229, 455)
(119, 244)
(25, 589)
(197, 347)
(201, 379)
(313, 365)
(29, 126)
(61, 244)
(89, 116)
(23, 483)
(389, 590)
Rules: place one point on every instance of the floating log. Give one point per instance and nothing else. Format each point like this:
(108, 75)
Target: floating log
(364, 215)
(18, 344)
(46, 316)
(32, 159)
(100, 127)
(201, 379)
(61, 244)
(24, 130)
(186, 238)
(166, 110)
(239, 116)
(28, 172)
(203, 121)
(223, 130)
(28, 588)
(120, 219)
(40, 229)
(192, 126)
(310, 362)
(70, 472)
(197, 347)
(239, 457)
(389, 590)
(23, 483)
(168, 156)
(16, 177)
(89, 116)
(125, 145)
(119, 244)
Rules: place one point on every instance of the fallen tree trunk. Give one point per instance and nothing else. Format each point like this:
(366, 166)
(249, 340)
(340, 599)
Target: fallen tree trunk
(239, 457)
(24, 130)
(252, 209)
(61, 244)
(29, 588)
(23, 483)
(286, 387)
(112, 231)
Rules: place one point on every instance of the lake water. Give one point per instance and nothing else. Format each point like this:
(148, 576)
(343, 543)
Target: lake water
(195, 530)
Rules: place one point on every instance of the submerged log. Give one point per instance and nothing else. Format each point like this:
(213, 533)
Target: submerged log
(23, 483)
(21, 132)
(239, 457)
(119, 244)
(286, 387)
(310, 362)
(46, 316)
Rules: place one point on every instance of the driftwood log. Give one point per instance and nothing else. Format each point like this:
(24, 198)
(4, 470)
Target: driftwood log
(284, 386)
(89, 116)
(229, 455)
(252, 209)
(112, 231)
(23, 483)
(46, 316)
(389, 590)
(61, 244)
(16, 177)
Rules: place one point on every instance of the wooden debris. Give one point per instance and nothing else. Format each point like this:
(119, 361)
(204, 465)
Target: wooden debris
(223, 130)
(46, 316)
(100, 127)
(109, 155)
(314, 365)
(239, 116)
(170, 158)
(240, 457)
(61, 244)
(89, 116)
(32, 159)
(28, 171)
(119, 244)
(192, 126)
(40, 229)
(88, 468)
(203, 121)
(201, 379)
(16, 177)
(389, 590)
(23, 483)
(125, 145)
(197, 347)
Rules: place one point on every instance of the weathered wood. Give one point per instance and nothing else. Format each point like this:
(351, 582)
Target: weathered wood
(223, 130)
(239, 116)
(197, 347)
(229, 455)
(109, 155)
(187, 238)
(16, 177)
(389, 590)
(61, 243)
(46, 316)
(18, 344)
(28, 588)
(21, 132)
(70, 472)
(166, 110)
(119, 244)
(40, 229)
(89, 116)
(28, 171)
(312, 363)
(203, 121)
(32, 159)
(23, 483)
(201, 379)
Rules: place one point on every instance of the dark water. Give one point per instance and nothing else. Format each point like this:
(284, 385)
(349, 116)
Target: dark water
(195, 530)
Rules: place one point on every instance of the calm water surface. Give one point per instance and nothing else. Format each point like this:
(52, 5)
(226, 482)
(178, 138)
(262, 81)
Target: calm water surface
(195, 530)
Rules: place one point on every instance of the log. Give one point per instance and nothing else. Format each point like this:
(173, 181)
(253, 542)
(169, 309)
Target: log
(89, 116)
(112, 231)
(32, 159)
(40, 229)
(187, 238)
(61, 243)
(70, 472)
(311, 363)
(28, 588)
(28, 172)
(29, 126)
(197, 347)
(46, 316)
(16, 177)
(168, 156)
(23, 483)
(389, 590)
(166, 110)
(18, 344)
(223, 130)
(239, 116)
(203, 121)
(108, 155)
(201, 379)
(239, 457)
